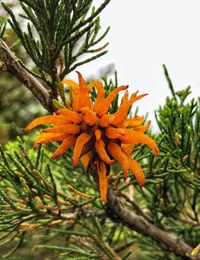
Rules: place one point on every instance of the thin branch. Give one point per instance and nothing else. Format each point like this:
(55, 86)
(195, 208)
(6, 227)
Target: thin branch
(135, 206)
(168, 240)
(74, 215)
(9, 62)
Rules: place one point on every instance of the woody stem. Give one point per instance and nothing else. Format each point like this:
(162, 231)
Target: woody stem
(9, 62)
(167, 240)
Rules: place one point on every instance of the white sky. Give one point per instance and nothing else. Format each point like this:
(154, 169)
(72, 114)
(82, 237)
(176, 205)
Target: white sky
(146, 34)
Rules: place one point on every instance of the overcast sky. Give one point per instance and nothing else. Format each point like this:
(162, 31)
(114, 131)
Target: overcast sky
(146, 34)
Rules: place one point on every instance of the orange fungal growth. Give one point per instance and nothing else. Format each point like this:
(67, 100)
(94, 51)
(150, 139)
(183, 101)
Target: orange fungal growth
(103, 181)
(101, 150)
(66, 144)
(97, 133)
(117, 153)
(81, 140)
(85, 159)
(97, 137)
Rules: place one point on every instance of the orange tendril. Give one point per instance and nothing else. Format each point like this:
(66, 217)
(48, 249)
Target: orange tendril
(73, 116)
(127, 148)
(122, 112)
(136, 121)
(68, 128)
(100, 93)
(103, 181)
(103, 106)
(142, 128)
(70, 83)
(137, 171)
(49, 137)
(80, 142)
(125, 97)
(113, 133)
(97, 134)
(84, 92)
(85, 159)
(134, 137)
(100, 148)
(66, 144)
(52, 119)
(117, 153)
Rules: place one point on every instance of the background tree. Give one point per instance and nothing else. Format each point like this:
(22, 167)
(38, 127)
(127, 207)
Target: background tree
(45, 205)
(15, 100)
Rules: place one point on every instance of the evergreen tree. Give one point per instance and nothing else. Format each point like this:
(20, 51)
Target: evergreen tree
(60, 211)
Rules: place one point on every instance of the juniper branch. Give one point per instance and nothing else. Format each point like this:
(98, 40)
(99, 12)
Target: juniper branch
(10, 63)
(53, 28)
(168, 240)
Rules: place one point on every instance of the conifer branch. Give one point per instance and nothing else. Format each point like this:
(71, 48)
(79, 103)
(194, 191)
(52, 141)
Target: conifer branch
(171, 87)
(57, 28)
(10, 63)
(169, 241)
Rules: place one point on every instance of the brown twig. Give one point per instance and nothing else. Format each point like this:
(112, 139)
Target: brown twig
(9, 62)
(167, 240)
(135, 206)
(73, 215)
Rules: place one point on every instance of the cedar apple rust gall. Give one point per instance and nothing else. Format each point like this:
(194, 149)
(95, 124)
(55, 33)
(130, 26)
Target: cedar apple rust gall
(97, 137)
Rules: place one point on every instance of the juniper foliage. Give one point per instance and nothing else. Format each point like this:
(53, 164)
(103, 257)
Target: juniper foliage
(15, 100)
(59, 34)
(52, 207)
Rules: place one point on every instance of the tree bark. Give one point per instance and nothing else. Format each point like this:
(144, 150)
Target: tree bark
(168, 240)
(9, 62)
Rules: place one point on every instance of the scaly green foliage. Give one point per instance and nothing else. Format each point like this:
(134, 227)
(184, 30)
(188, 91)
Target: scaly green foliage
(3, 22)
(17, 105)
(58, 34)
(172, 189)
